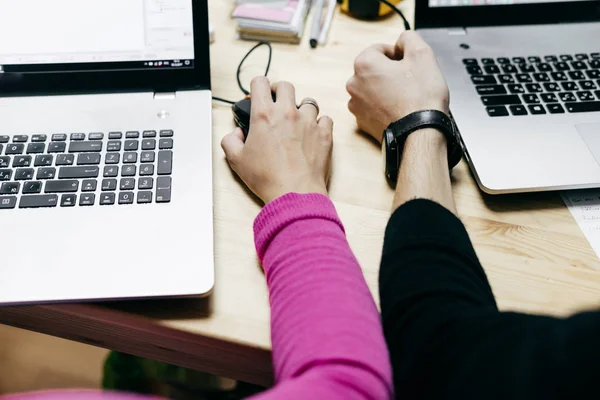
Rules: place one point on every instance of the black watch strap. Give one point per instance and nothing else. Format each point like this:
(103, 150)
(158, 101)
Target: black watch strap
(397, 133)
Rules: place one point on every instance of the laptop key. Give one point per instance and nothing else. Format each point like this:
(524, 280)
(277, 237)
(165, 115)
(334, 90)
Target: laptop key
(470, 61)
(534, 88)
(555, 108)
(127, 184)
(481, 89)
(525, 68)
(165, 158)
(581, 56)
(537, 109)
(518, 110)
(169, 132)
(36, 148)
(595, 64)
(587, 85)
(10, 188)
(57, 147)
(145, 183)
(534, 59)
(516, 88)
(523, 78)
(567, 96)
(46, 173)
(20, 138)
(68, 200)
(59, 137)
(62, 186)
(497, 111)
(566, 57)
(4, 162)
(130, 157)
(77, 136)
(39, 138)
(132, 135)
(491, 69)
(595, 55)
(588, 106)
(131, 145)
(44, 160)
(531, 98)
(112, 158)
(519, 60)
(126, 197)
(88, 159)
(24, 174)
(544, 67)
(109, 185)
(111, 171)
(96, 136)
(65, 159)
(149, 134)
(165, 144)
(85, 147)
(128, 170)
(149, 144)
(559, 76)
(78, 172)
(5, 174)
(8, 202)
(474, 70)
(541, 77)
(561, 66)
(576, 75)
(593, 73)
(32, 187)
(550, 58)
(4, 138)
(487, 100)
(552, 87)
(38, 201)
(585, 96)
(113, 145)
(22, 161)
(578, 65)
(107, 199)
(87, 199)
(89, 185)
(569, 86)
(14, 149)
(115, 135)
(487, 61)
(503, 60)
(147, 157)
(146, 169)
(506, 79)
(164, 182)
(549, 97)
(144, 197)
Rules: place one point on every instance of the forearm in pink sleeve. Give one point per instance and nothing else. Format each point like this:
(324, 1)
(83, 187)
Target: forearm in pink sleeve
(326, 330)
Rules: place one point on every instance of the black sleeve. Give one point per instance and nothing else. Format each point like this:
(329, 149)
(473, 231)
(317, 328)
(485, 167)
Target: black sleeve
(446, 337)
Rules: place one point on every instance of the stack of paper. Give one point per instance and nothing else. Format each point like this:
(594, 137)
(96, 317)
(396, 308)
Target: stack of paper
(271, 20)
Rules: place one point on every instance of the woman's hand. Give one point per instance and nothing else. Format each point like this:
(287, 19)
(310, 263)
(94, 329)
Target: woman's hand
(391, 82)
(287, 149)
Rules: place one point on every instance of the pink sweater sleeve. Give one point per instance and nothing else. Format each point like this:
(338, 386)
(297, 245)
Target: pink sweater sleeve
(326, 331)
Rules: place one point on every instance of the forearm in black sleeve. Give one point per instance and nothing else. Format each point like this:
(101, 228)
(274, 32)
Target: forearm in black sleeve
(447, 338)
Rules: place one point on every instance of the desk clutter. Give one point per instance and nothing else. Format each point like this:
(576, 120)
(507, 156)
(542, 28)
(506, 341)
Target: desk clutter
(283, 21)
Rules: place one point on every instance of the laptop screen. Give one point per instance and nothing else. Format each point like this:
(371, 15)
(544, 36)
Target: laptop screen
(95, 35)
(463, 3)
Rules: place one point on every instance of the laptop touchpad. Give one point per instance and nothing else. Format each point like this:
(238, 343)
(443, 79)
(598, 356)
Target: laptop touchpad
(590, 133)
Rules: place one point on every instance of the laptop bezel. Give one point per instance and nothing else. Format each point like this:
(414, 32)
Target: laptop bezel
(141, 80)
(513, 14)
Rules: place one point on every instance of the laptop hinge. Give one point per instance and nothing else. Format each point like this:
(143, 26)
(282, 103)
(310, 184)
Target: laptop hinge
(165, 95)
(457, 31)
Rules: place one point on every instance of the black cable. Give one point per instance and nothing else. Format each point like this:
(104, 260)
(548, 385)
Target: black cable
(239, 70)
(397, 10)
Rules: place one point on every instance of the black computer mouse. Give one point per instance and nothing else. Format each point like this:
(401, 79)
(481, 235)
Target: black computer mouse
(241, 114)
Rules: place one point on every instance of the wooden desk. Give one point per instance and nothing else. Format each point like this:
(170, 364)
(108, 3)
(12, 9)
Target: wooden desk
(535, 255)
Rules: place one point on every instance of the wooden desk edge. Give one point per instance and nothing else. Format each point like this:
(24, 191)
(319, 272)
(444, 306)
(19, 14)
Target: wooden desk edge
(133, 334)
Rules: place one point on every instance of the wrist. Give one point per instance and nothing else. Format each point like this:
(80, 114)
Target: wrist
(430, 138)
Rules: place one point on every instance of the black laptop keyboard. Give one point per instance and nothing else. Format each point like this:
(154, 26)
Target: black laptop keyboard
(537, 85)
(78, 169)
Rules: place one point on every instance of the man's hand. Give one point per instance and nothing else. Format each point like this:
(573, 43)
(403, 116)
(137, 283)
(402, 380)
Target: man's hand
(391, 82)
(287, 149)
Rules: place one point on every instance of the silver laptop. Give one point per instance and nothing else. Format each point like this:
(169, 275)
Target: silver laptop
(524, 78)
(105, 150)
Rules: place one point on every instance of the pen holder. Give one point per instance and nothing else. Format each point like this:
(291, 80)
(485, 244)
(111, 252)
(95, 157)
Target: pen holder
(366, 9)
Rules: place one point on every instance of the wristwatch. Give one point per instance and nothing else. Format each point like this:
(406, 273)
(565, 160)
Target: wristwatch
(394, 138)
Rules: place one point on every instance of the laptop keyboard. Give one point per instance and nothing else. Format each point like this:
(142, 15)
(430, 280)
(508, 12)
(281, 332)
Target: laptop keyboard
(537, 85)
(78, 169)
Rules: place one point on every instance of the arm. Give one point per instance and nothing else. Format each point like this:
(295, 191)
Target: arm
(446, 337)
(326, 330)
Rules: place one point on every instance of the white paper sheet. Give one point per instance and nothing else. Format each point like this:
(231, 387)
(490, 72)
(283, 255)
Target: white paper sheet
(584, 205)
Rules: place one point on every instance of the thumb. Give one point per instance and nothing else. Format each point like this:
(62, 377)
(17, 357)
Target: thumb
(232, 145)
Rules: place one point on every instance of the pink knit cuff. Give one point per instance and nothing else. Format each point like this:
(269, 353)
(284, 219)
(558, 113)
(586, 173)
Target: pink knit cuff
(286, 210)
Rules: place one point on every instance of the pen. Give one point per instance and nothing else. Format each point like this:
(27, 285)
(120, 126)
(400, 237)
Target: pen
(327, 24)
(316, 23)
